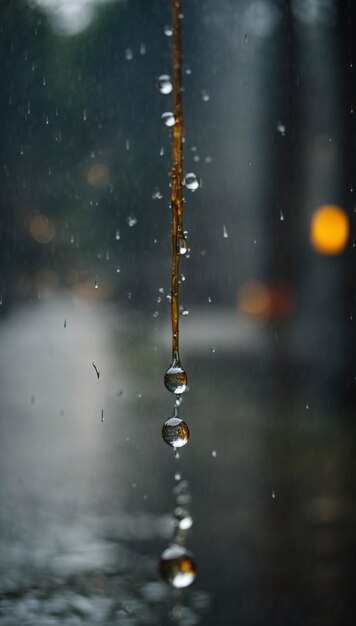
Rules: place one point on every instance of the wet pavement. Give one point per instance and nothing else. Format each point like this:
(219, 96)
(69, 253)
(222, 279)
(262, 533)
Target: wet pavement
(86, 504)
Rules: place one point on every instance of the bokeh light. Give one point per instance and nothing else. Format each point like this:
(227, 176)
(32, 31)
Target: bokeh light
(98, 175)
(262, 302)
(42, 229)
(329, 229)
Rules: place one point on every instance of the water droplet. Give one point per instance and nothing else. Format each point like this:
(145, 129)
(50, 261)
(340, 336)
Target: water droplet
(177, 567)
(64, 324)
(175, 378)
(127, 144)
(307, 406)
(118, 270)
(28, 108)
(185, 312)
(281, 215)
(157, 194)
(102, 415)
(164, 84)
(21, 150)
(168, 31)
(161, 152)
(188, 71)
(175, 432)
(97, 371)
(225, 233)
(168, 118)
(213, 350)
(96, 282)
(84, 115)
(155, 314)
(143, 48)
(191, 182)
(44, 81)
(351, 188)
(128, 54)
(246, 39)
(213, 454)
(131, 220)
(117, 235)
(208, 159)
(177, 476)
(204, 95)
(182, 245)
(183, 518)
(182, 277)
(281, 128)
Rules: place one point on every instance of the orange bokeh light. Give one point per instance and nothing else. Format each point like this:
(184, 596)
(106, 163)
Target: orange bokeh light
(329, 229)
(42, 229)
(98, 175)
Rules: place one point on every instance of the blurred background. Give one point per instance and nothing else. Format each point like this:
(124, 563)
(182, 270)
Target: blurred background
(268, 300)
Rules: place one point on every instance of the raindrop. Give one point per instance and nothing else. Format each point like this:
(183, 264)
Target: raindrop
(164, 84)
(281, 128)
(44, 81)
(351, 188)
(21, 150)
(175, 432)
(209, 299)
(182, 277)
(102, 415)
(155, 314)
(273, 494)
(143, 48)
(131, 220)
(191, 182)
(185, 312)
(183, 518)
(128, 54)
(213, 454)
(168, 118)
(117, 235)
(84, 115)
(47, 120)
(182, 245)
(118, 270)
(175, 378)
(250, 163)
(246, 39)
(28, 108)
(225, 233)
(157, 194)
(281, 215)
(96, 282)
(65, 323)
(204, 95)
(127, 144)
(208, 159)
(177, 567)
(161, 152)
(196, 158)
(307, 406)
(97, 371)
(168, 31)
(177, 476)
(188, 71)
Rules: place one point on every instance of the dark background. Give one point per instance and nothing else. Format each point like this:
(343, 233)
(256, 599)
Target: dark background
(269, 98)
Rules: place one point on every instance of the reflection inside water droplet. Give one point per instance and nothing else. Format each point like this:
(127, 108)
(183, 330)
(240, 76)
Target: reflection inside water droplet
(177, 567)
(191, 182)
(182, 245)
(175, 378)
(175, 432)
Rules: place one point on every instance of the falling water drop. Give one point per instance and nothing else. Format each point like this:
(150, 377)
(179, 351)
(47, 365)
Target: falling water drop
(128, 54)
(157, 195)
(65, 323)
(225, 233)
(143, 48)
(168, 31)
(96, 282)
(281, 128)
(191, 182)
(117, 235)
(175, 432)
(214, 454)
(204, 95)
(84, 115)
(161, 152)
(273, 494)
(168, 118)
(281, 215)
(182, 518)
(131, 220)
(175, 378)
(164, 84)
(177, 567)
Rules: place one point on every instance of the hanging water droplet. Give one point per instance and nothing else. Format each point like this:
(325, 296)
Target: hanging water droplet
(142, 48)
(131, 220)
(191, 182)
(204, 95)
(164, 84)
(225, 233)
(168, 31)
(168, 118)
(183, 519)
(182, 245)
(157, 194)
(117, 235)
(175, 432)
(281, 128)
(281, 215)
(177, 567)
(175, 378)
(128, 54)
(96, 282)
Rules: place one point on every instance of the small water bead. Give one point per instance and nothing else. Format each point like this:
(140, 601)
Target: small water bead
(204, 95)
(175, 432)
(185, 312)
(168, 118)
(131, 220)
(281, 128)
(164, 84)
(168, 31)
(183, 519)
(177, 567)
(225, 233)
(161, 152)
(191, 182)
(281, 215)
(157, 195)
(213, 454)
(117, 235)
(182, 245)
(175, 378)
(128, 54)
